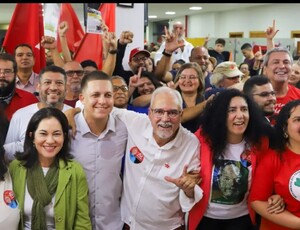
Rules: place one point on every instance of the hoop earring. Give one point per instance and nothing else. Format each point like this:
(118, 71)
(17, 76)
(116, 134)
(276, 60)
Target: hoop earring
(285, 135)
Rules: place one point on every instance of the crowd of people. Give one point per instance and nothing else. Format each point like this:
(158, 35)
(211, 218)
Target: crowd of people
(185, 139)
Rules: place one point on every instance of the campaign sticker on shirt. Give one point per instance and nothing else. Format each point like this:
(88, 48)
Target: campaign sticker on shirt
(246, 158)
(294, 185)
(9, 199)
(136, 156)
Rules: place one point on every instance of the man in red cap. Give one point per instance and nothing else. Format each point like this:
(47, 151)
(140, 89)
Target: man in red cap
(138, 57)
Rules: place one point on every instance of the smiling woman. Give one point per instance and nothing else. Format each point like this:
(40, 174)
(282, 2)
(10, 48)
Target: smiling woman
(54, 181)
(231, 130)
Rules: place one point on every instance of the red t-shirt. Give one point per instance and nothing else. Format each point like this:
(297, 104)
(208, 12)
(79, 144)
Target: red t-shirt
(292, 94)
(20, 99)
(276, 176)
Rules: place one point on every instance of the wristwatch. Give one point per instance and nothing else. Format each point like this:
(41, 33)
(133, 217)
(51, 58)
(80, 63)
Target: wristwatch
(113, 51)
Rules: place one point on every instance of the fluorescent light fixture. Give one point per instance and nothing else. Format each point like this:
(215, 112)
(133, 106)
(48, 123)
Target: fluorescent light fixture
(152, 16)
(170, 12)
(195, 8)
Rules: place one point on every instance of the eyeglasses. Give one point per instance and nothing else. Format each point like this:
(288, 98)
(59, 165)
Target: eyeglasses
(189, 77)
(173, 113)
(136, 59)
(124, 88)
(6, 72)
(265, 94)
(71, 73)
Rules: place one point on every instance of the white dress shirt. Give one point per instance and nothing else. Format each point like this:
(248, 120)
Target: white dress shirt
(148, 200)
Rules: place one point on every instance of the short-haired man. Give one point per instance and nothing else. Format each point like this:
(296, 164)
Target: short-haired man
(218, 51)
(99, 145)
(52, 91)
(249, 58)
(260, 89)
(159, 153)
(26, 79)
(12, 98)
(277, 67)
(75, 74)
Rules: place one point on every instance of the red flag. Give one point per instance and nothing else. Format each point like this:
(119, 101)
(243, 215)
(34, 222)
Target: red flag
(108, 12)
(91, 44)
(26, 26)
(75, 32)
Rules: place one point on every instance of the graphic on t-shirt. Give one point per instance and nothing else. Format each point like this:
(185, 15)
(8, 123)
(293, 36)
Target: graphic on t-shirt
(294, 185)
(230, 182)
(9, 199)
(136, 156)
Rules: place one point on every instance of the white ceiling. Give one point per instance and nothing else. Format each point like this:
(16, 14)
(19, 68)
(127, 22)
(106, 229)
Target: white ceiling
(159, 9)
(182, 9)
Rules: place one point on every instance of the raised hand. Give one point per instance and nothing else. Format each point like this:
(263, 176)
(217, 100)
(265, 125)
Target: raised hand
(172, 42)
(271, 31)
(63, 28)
(48, 42)
(126, 37)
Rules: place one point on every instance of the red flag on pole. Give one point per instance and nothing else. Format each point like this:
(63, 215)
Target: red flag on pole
(27, 26)
(75, 32)
(91, 44)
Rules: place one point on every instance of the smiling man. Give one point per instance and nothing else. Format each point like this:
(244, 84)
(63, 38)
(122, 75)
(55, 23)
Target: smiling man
(99, 146)
(277, 66)
(159, 154)
(52, 91)
(260, 89)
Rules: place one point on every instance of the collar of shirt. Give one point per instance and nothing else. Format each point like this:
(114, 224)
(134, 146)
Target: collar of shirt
(83, 127)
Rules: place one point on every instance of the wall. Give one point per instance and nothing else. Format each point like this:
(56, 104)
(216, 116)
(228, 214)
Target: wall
(217, 25)
(131, 19)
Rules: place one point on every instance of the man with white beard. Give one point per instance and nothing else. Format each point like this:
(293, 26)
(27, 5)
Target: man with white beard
(159, 155)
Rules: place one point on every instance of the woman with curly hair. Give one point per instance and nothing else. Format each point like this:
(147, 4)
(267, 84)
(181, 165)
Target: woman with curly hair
(231, 131)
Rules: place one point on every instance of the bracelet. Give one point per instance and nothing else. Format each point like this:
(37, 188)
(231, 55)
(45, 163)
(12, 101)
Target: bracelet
(113, 51)
(166, 54)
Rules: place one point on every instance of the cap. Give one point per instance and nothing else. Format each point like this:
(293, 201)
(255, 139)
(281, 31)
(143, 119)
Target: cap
(136, 51)
(227, 68)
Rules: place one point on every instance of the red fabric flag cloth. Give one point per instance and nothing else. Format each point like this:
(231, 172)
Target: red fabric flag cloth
(75, 32)
(91, 44)
(27, 26)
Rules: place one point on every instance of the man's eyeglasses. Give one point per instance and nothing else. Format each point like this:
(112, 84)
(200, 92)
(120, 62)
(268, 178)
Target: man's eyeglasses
(6, 72)
(173, 113)
(123, 88)
(71, 73)
(265, 94)
(138, 59)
